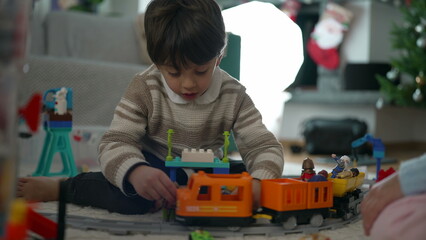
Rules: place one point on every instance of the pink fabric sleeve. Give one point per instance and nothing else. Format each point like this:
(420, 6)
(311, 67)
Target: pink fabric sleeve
(403, 219)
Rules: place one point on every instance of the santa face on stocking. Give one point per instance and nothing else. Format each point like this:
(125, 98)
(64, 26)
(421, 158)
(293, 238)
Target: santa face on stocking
(328, 33)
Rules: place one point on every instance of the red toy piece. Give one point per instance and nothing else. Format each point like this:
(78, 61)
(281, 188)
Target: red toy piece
(42, 225)
(31, 112)
(306, 176)
(16, 227)
(23, 219)
(384, 173)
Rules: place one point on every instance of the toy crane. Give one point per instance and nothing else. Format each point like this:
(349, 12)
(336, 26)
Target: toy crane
(57, 124)
(378, 148)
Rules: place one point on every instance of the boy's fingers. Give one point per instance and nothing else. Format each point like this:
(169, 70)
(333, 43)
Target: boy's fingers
(366, 227)
(152, 197)
(370, 208)
(157, 206)
(168, 190)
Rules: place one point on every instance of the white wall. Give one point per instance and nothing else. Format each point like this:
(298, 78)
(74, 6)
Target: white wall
(41, 8)
(143, 4)
(368, 37)
(382, 18)
(355, 47)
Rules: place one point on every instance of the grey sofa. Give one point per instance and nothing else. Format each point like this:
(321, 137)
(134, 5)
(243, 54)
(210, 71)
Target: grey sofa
(96, 56)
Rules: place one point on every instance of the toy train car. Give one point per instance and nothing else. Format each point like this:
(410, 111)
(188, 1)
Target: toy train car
(292, 201)
(347, 196)
(226, 200)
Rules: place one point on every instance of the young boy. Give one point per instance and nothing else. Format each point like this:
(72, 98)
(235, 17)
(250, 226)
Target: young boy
(184, 90)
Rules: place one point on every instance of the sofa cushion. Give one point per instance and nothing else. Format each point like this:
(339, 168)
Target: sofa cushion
(97, 86)
(92, 37)
(140, 32)
(36, 36)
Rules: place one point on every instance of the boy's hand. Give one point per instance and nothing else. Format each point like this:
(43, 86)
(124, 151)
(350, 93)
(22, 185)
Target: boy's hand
(153, 184)
(256, 190)
(380, 195)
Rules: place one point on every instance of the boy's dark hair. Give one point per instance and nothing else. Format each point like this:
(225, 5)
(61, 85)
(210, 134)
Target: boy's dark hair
(183, 31)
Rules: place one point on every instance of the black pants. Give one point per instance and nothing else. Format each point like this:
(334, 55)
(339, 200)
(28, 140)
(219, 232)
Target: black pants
(94, 190)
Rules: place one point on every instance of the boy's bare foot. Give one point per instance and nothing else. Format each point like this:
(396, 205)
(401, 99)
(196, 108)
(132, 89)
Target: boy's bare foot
(39, 189)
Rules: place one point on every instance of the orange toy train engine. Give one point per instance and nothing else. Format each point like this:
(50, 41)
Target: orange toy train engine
(216, 200)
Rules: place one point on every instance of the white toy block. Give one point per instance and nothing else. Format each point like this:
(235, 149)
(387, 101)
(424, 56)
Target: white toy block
(197, 155)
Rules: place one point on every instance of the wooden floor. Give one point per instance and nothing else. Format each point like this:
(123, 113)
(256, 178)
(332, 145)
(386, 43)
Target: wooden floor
(396, 153)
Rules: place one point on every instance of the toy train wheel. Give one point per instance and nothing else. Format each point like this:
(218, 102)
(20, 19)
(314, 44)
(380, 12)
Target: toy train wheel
(290, 223)
(347, 216)
(357, 209)
(316, 220)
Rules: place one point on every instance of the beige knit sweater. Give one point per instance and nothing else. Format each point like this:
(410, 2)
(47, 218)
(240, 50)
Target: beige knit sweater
(149, 108)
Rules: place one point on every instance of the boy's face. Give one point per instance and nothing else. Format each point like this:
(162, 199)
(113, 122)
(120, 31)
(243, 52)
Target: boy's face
(190, 82)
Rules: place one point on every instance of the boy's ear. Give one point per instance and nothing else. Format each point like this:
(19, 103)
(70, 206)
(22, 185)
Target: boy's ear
(219, 59)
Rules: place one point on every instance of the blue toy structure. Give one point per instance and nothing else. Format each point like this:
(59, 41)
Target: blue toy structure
(378, 148)
(57, 122)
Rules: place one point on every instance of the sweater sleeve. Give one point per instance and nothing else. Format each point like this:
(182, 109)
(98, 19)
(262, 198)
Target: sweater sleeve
(412, 177)
(120, 148)
(262, 153)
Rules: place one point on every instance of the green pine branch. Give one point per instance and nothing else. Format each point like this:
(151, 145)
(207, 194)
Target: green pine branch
(411, 61)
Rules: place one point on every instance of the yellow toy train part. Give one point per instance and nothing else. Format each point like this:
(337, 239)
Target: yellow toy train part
(345, 185)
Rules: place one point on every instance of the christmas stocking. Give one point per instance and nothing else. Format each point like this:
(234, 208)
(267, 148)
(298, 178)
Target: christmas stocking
(291, 8)
(327, 35)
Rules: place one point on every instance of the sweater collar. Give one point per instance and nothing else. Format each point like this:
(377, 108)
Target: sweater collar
(209, 96)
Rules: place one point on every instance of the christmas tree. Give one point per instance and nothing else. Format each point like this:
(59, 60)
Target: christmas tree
(409, 38)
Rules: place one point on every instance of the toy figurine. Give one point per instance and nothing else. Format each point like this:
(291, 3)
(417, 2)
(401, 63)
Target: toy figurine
(61, 101)
(348, 174)
(342, 164)
(308, 169)
(320, 177)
